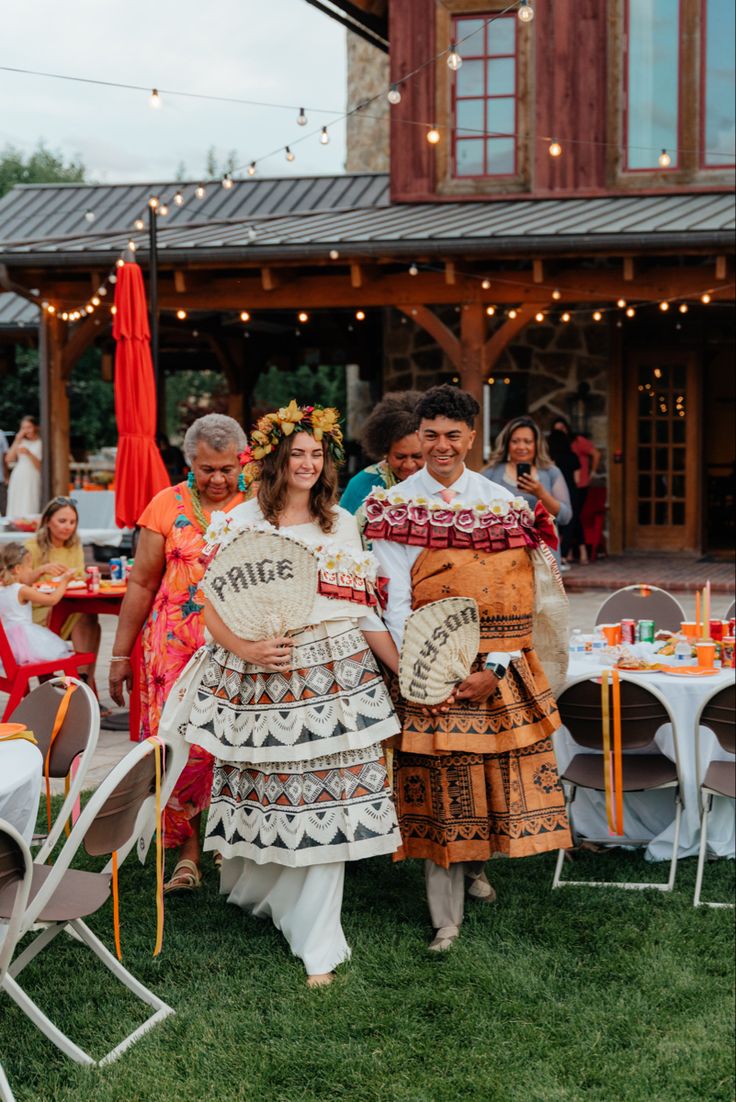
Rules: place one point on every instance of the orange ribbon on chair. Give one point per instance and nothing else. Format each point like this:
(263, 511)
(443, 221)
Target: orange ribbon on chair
(157, 749)
(22, 736)
(612, 758)
(58, 724)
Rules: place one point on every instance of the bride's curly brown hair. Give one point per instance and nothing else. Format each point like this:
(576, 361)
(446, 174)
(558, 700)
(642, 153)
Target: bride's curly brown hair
(273, 486)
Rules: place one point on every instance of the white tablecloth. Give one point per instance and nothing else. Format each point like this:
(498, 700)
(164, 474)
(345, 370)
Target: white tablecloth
(21, 775)
(651, 815)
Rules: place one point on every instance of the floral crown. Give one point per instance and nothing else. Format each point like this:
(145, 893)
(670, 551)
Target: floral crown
(274, 427)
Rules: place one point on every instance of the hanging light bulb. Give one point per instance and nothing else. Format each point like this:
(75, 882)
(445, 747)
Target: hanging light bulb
(486, 284)
(597, 315)
(119, 263)
(155, 100)
(664, 159)
(89, 216)
(303, 316)
(539, 316)
(413, 270)
(288, 154)
(525, 12)
(94, 300)
(360, 315)
(555, 149)
(153, 202)
(52, 309)
(683, 307)
(227, 181)
(513, 314)
(163, 210)
(334, 254)
(490, 311)
(89, 308)
(556, 295)
(252, 168)
(324, 136)
(301, 119)
(394, 95)
(244, 315)
(454, 61)
(630, 311)
(664, 307)
(132, 246)
(433, 135)
(139, 224)
(199, 191)
(181, 315)
(621, 303)
(102, 291)
(113, 310)
(65, 316)
(705, 298)
(565, 317)
(179, 199)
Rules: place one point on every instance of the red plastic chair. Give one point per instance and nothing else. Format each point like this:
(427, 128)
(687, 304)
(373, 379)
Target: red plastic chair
(16, 676)
(593, 518)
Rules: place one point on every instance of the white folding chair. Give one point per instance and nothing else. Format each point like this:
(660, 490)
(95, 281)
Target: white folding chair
(643, 711)
(114, 818)
(16, 874)
(642, 602)
(719, 714)
(76, 741)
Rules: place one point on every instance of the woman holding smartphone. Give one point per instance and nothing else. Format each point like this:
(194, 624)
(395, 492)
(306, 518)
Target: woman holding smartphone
(520, 461)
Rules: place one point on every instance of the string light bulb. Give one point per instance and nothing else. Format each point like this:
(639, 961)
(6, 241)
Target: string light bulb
(413, 270)
(525, 12)
(454, 61)
(303, 316)
(113, 310)
(433, 135)
(555, 149)
(556, 295)
(252, 168)
(360, 315)
(94, 300)
(565, 317)
(118, 264)
(513, 314)
(181, 315)
(664, 306)
(65, 316)
(89, 216)
(155, 99)
(486, 284)
(153, 202)
(301, 119)
(199, 191)
(664, 159)
(597, 315)
(132, 246)
(288, 154)
(621, 303)
(244, 315)
(539, 316)
(179, 199)
(324, 137)
(490, 311)
(163, 210)
(394, 95)
(102, 291)
(227, 181)
(139, 224)
(334, 254)
(630, 312)
(51, 309)
(683, 307)
(705, 298)
(89, 308)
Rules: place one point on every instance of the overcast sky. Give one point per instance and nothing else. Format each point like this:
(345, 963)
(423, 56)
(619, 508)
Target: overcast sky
(280, 51)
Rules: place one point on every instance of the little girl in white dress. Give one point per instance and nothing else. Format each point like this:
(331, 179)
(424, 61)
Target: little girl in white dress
(29, 642)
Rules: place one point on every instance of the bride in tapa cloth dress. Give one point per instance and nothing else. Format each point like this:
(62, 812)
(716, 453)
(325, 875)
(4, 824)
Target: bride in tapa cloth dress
(300, 783)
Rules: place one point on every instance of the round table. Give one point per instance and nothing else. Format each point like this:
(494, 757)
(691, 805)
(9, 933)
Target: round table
(651, 815)
(21, 776)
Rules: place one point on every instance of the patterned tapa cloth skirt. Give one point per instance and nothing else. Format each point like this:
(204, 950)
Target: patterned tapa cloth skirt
(300, 775)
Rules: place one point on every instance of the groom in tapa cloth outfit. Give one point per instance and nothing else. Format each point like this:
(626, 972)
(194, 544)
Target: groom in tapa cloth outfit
(478, 775)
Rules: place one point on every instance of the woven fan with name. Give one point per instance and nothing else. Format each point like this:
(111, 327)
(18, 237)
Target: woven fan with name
(441, 642)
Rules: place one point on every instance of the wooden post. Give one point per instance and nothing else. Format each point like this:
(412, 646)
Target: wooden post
(54, 409)
(44, 389)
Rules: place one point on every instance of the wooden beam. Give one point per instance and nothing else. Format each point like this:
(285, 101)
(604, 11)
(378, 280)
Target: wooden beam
(445, 338)
(356, 276)
(505, 333)
(628, 268)
(538, 270)
(180, 283)
(54, 408)
(721, 267)
(83, 336)
(450, 278)
(269, 280)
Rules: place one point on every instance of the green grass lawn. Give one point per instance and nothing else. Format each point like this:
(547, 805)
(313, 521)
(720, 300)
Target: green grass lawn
(592, 994)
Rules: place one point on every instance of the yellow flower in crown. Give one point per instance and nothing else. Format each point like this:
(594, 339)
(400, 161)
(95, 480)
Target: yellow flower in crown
(318, 422)
(289, 417)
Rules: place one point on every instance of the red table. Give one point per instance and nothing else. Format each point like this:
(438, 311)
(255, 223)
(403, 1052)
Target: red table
(103, 604)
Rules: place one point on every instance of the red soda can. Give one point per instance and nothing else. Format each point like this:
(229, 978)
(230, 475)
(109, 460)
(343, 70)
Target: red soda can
(715, 630)
(732, 626)
(93, 582)
(628, 631)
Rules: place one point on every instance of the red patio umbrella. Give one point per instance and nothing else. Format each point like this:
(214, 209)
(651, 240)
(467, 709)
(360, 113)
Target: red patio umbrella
(139, 470)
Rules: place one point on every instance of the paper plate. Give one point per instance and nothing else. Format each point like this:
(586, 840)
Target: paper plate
(690, 671)
(262, 584)
(441, 642)
(627, 670)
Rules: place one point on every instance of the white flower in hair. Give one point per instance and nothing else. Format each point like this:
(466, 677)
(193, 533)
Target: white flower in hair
(379, 493)
(520, 503)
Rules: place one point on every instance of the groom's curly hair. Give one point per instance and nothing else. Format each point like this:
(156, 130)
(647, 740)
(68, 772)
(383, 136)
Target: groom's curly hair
(448, 401)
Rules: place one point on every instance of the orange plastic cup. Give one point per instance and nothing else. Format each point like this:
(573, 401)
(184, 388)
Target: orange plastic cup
(689, 629)
(706, 655)
(612, 632)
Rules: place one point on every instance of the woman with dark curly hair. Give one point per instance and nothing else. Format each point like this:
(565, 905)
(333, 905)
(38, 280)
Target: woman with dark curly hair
(389, 436)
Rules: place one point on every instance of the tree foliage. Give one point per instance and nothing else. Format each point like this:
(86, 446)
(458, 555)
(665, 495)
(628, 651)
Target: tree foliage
(318, 386)
(42, 166)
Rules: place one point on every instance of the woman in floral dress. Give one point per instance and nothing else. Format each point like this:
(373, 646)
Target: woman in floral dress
(164, 600)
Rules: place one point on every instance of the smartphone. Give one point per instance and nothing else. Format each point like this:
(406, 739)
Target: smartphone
(522, 468)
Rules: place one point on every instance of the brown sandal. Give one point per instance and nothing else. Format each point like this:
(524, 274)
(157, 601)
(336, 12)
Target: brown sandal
(186, 877)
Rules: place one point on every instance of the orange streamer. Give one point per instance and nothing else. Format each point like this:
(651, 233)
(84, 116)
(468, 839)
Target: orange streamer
(58, 724)
(606, 730)
(116, 905)
(618, 764)
(23, 736)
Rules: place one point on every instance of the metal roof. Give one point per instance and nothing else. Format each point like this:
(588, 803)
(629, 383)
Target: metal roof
(17, 312)
(614, 223)
(58, 210)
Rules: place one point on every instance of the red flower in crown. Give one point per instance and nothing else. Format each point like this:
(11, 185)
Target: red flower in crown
(246, 456)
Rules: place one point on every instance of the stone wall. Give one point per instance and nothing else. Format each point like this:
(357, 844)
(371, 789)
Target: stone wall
(367, 134)
(563, 368)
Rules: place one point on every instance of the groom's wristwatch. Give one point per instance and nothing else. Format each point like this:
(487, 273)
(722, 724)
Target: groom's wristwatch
(497, 669)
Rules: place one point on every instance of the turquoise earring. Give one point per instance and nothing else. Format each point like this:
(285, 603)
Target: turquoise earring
(191, 480)
(242, 484)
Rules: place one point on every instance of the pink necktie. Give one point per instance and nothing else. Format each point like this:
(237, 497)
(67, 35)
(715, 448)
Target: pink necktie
(448, 495)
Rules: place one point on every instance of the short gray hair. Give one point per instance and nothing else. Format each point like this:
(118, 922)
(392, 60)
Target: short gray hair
(217, 431)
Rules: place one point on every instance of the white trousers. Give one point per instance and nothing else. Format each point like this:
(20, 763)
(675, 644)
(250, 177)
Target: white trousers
(303, 903)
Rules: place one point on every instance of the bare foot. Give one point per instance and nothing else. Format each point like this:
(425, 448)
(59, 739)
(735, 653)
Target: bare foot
(320, 979)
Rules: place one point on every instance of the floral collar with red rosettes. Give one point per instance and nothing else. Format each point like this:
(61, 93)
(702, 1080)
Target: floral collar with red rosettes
(489, 526)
